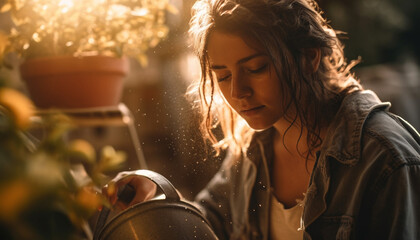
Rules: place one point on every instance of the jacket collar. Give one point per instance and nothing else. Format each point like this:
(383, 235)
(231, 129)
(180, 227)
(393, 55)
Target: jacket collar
(343, 143)
(264, 138)
(343, 138)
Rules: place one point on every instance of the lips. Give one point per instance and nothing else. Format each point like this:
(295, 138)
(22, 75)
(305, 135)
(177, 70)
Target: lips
(250, 110)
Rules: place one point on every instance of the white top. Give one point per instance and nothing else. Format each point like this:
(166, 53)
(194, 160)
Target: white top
(285, 223)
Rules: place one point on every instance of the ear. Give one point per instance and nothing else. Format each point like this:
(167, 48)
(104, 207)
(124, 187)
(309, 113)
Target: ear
(312, 60)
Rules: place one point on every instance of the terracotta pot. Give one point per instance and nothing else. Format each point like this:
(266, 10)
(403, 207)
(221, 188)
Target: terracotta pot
(75, 82)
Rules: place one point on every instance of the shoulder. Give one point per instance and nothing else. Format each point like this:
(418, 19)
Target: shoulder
(366, 134)
(386, 133)
(343, 139)
(390, 152)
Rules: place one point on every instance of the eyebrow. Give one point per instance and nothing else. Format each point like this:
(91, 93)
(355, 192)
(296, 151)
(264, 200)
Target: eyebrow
(240, 61)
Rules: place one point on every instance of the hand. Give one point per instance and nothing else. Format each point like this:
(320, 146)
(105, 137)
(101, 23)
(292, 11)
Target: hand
(144, 189)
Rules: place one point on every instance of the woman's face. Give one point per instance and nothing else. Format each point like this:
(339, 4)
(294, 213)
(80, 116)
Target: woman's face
(247, 80)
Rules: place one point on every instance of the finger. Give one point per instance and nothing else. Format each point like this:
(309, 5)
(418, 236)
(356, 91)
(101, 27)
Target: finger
(120, 206)
(118, 181)
(122, 175)
(113, 187)
(152, 190)
(145, 190)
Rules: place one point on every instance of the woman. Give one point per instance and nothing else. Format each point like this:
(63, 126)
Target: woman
(311, 155)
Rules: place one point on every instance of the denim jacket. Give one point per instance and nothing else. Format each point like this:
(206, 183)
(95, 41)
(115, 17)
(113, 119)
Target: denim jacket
(365, 183)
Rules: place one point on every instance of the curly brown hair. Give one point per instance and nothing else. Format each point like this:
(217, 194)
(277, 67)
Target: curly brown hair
(284, 30)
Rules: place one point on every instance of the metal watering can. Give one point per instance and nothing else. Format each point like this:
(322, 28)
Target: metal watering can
(156, 219)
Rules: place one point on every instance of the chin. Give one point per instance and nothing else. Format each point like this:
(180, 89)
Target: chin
(259, 126)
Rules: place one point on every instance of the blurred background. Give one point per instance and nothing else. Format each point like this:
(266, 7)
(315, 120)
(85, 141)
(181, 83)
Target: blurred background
(384, 33)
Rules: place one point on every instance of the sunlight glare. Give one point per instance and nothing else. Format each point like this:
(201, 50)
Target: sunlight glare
(36, 37)
(66, 5)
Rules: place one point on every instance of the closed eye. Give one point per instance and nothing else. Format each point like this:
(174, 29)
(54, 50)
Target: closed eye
(223, 78)
(258, 70)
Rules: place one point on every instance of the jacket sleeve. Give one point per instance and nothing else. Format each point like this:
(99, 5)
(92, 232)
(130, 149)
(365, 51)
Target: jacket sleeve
(395, 213)
(225, 200)
(213, 202)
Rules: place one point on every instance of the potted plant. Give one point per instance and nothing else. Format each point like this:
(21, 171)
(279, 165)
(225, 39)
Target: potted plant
(47, 188)
(81, 45)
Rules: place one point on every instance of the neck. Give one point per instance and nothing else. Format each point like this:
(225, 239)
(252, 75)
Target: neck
(293, 138)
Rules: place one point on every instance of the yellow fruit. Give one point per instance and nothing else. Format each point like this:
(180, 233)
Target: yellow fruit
(13, 198)
(84, 147)
(19, 105)
(88, 198)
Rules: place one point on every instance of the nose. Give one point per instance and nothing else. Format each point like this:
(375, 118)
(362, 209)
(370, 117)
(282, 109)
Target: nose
(239, 88)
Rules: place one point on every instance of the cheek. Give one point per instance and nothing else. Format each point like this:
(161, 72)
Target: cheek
(224, 90)
(271, 93)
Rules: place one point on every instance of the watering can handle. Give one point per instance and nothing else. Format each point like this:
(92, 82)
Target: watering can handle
(164, 184)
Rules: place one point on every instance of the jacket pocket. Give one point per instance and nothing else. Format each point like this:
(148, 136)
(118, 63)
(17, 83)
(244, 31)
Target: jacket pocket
(332, 227)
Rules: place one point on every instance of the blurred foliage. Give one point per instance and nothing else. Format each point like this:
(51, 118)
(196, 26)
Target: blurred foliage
(88, 27)
(379, 31)
(48, 187)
